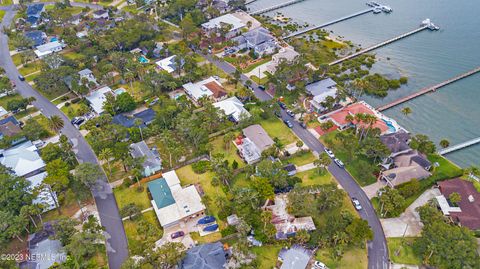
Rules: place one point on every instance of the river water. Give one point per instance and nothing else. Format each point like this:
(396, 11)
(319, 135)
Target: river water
(426, 58)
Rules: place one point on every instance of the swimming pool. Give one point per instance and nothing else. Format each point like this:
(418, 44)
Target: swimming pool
(119, 91)
(391, 127)
(53, 39)
(143, 60)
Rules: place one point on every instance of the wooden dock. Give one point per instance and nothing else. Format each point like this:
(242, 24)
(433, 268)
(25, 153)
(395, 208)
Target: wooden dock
(268, 9)
(428, 90)
(329, 23)
(459, 146)
(379, 45)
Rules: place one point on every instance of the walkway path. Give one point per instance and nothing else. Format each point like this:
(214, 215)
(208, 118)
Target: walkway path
(306, 167)
(116, 242)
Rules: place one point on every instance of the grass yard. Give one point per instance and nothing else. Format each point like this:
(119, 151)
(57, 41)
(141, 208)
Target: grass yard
(75, 56)
(401, 250)
(267, 256)
(43, 121)
(134, 237)
(311, 177)
(73, 110)
(260, 81)
(117, 172)
(257, 64)
(214, 237)
(125, 195)
(17, 58)
(354, 258)
(2, 13)
(29, 68)
(276, 128)
(187, 176)
(4, 100)
(230, 154)
(135, 90)
(5, 3)
(302, 158)
(25, 113)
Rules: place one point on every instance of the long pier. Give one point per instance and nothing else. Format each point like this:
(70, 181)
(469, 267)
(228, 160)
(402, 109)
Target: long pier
(380, 45)
(264, 10)
(459, 146)
(251, 1)
(428, 89)
(314, 27)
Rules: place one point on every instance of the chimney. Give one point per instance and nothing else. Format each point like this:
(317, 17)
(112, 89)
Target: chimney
(471, 199)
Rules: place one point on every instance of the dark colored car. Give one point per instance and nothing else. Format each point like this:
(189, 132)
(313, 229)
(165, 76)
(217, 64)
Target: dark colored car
(288, 123)
(177, 234)
(261, 87)
(282, 105)
(278, 113)
(304, 126)
(21, 78)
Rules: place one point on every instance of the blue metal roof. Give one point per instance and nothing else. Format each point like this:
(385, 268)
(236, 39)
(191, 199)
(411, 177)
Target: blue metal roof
(161, 193)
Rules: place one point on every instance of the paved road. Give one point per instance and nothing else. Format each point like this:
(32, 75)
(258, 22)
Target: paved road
(377, 248)
(117, 248)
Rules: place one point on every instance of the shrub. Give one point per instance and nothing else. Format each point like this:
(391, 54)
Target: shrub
(228, 231)
(76, 100)
(201, 167)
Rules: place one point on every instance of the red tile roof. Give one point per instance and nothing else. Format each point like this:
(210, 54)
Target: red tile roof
(470, 203)
(339, 116)
(217, 90)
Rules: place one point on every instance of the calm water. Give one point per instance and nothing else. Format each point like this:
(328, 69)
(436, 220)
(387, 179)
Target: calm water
(426, 58)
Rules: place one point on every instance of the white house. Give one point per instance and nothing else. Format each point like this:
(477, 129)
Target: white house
(44, 197)
(172, 203)
(229, 22)
(320, 90)
(49, 48)
(23, 159)
(209, 88)
(233, 108)
(97, 98)
(101, 14)
(167, 64)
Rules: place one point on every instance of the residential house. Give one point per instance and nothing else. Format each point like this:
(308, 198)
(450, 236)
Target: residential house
(259, 40)
(339, 118)
(287, 54)
(174, 204)
(254, 141)
(291, 169)
(228, 25)
(43, 251)
(320, 91)
(44, 196)
(76, 19)
(406, 167)
(465, 213)
(34, 13)
(101, 14)
(97, 98)
(9, 126)
(152, 163)
(38, 37)
(86, 75)
(3, 112)
(205, 256)
(49, 48)
(168, 64)
(296, 257)
(208, 88)
(286, 224)
(23, 159)
(233, 109)
(397, 143)
(146, 116)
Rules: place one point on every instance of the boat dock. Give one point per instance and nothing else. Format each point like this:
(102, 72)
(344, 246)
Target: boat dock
(251, 1)
(459, 146)
(268, 9)
(428, 90)
(379, 45)
(308, 29)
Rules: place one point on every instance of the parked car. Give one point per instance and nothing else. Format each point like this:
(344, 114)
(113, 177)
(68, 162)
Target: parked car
(290, 113)
(177, 234)
(356, 203)
(304, 126)
(282, 105)
(261, 87)
(288, 123)
(277, 113)
(339, 163)
(329, 152)
(319, 265)
(21, 78)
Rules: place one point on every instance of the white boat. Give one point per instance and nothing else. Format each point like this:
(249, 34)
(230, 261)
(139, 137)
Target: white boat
(377, 10)
(387, 9)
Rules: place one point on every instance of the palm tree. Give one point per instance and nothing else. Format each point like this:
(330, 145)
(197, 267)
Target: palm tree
(138, 123)
(444, 143)
(406, 111)
(105, 155)
(56, 123)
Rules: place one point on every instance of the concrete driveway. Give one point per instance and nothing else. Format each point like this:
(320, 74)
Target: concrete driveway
(372, 189)
(409, 221)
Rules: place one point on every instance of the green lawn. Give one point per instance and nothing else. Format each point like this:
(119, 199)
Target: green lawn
(117, 172)
(2, 13)
(187, 176)
(4, 100)
(213, 237)
(267, 256)
(133, 235)
(26, 112)
(276, 128)
(255, 65)
(43, 121)
(5, 3)
(72, 55)
(230, 154)
(311, 177)
(302, 158)
(29, 68)
(125, 195)
(72, 110)
(259, 81)
(401, 251)
(354, 258)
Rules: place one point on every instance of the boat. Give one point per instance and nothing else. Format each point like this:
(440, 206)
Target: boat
(211, 228)
(206, 220)
(377, 10)
(387, 9)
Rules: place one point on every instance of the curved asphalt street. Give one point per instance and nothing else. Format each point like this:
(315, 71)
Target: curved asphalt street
(377, 248)
(117, 248)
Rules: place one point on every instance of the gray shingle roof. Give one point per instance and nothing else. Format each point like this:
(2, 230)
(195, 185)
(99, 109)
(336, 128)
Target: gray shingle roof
(206, 256)
(258, 36)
